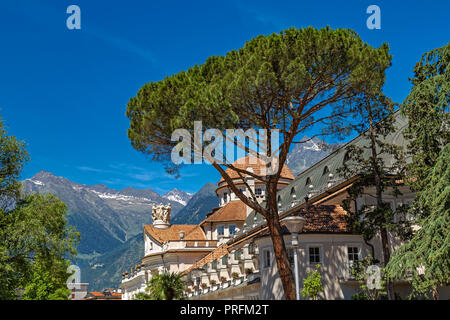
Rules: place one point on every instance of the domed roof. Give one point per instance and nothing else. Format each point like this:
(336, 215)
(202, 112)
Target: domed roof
(258, 167)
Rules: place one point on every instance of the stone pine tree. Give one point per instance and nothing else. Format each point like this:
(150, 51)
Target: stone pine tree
(425, 258)
(292, 81)
(378, 166)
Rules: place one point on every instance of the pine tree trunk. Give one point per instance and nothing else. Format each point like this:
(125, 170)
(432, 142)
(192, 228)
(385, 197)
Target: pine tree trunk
(279, 248)
(379, 196)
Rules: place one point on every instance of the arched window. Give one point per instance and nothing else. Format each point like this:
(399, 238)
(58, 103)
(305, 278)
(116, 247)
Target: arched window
(308, 181)
(293, 195)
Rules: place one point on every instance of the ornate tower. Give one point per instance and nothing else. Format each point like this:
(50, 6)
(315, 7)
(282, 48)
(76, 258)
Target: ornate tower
(161, 216)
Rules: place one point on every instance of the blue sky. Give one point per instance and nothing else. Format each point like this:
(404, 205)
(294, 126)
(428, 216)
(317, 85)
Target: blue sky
(65, 92)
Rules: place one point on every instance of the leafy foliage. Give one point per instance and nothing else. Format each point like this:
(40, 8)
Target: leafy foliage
(427, 109)
(312, 285)
(425, 259)
(165, 286)
(291, 81)
(35, 240)
(361, 272)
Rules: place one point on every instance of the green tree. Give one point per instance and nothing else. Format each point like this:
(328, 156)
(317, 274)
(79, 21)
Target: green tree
(312, 285)
(13, 157)
(35, 241)
(363, 274)
(165, 286)
(378, 165)
(427, 110)
(291, 81)
(425, 259)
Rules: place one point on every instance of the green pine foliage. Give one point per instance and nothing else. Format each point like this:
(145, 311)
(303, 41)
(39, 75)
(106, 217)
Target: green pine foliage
(289, 81)
(425, 259)
(427, 109)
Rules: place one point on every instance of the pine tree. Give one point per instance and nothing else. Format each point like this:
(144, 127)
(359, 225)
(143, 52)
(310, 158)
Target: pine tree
(372, 163)
(425, 258)
(290, 82)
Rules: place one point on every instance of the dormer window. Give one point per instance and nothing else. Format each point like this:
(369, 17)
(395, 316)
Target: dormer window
(220, 230)
(293, 195)
(308, 181)
(279, 201)
(325, 170)
(258, 191)
(225, 197)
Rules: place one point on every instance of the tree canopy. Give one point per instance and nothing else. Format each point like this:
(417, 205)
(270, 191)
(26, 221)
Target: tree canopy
(35, 241)
(290, 81)
(425, 258)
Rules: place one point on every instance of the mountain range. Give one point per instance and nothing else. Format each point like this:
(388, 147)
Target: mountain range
(110, 221)
(308, 152)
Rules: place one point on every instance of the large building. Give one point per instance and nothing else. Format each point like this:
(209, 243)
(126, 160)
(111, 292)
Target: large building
(230, 254)
(176, 248)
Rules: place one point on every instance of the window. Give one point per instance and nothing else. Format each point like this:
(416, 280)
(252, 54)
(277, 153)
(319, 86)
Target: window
(225, 197)
(325, 170)
(220, 230)
(258, 191)
(314, 255)
(266, 258)
(232, 229)
(242, 190)
(308, 181)
(251, 248)
(293, 195)
(279, 201)
(353, 254)
(225, 260)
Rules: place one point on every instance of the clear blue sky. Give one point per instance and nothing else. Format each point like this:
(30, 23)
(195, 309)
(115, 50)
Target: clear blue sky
(65, 91)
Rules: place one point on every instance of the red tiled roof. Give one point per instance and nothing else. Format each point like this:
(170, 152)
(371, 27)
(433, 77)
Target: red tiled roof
(320, 219)
(232, 211)
(191, 232)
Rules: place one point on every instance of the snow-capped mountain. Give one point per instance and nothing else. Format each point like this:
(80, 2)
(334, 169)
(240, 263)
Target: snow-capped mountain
(105, 217)
(307, 153)
(178, 196)
(110, 221)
